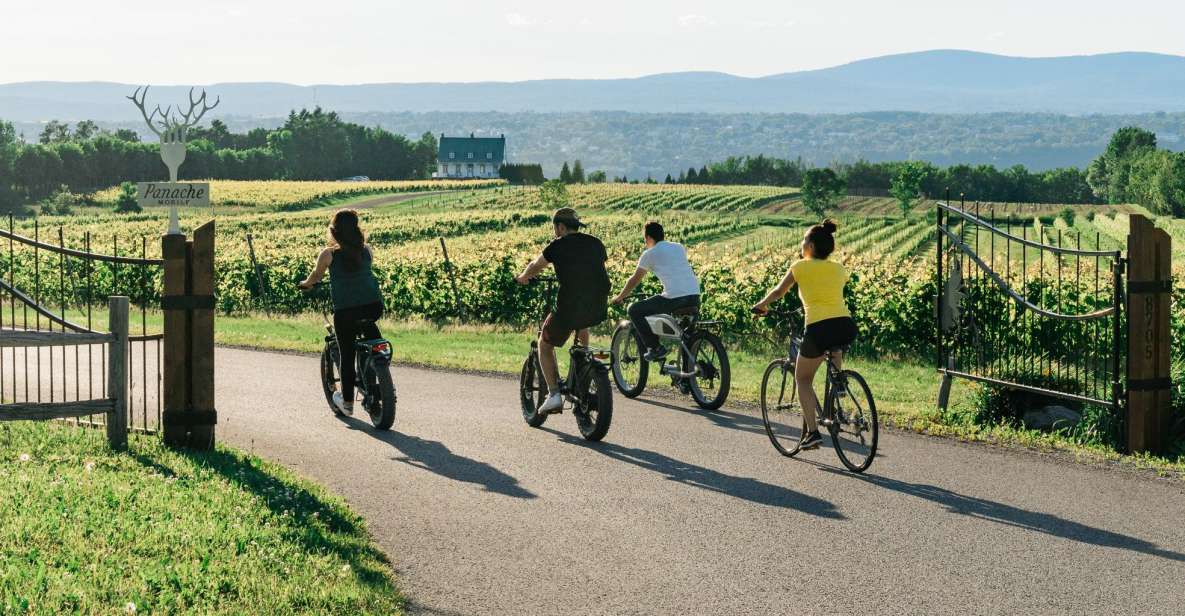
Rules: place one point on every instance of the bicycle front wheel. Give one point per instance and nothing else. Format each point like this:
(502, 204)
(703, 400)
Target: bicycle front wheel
(629, 369)
(532, 391)
(330, 374)
(856, 429)
(712, 378)
(780, 411)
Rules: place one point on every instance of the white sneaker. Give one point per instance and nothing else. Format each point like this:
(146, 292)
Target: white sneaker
(340, 403)
(553, 403)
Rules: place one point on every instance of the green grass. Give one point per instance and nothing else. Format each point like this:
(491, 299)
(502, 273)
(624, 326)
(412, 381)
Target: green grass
(87, 530)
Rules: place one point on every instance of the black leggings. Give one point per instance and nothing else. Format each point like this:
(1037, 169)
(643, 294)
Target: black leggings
(346, 324)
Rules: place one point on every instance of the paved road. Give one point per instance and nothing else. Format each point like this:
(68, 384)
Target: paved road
(682, 511)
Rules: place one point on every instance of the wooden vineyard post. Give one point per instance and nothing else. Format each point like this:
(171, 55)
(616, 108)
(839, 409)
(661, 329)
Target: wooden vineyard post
(117, 373)
(188, 304)
(1149, 292)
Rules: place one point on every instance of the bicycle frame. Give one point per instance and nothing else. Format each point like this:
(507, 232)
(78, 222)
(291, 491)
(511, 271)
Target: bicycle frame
(583, 359)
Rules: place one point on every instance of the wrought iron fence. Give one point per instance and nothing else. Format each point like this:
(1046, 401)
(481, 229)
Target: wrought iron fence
(1026, 306)
(50, 284)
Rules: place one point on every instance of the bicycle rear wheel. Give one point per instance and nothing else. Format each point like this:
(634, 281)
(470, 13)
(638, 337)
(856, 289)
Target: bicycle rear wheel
(856, 430)
(709, 361)
(381, 397)
(594, 406)
(780, 411)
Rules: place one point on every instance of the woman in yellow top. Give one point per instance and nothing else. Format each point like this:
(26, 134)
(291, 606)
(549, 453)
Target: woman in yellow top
(829, 325)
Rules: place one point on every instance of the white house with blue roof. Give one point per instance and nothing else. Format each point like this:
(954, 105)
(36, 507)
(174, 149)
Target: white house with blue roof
(470, 157)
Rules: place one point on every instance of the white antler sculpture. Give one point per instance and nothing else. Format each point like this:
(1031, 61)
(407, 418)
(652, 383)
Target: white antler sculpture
(172, 130)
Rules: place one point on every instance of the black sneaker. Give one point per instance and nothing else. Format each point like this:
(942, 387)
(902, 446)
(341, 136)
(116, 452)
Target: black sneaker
(811, 440)
(657, 354)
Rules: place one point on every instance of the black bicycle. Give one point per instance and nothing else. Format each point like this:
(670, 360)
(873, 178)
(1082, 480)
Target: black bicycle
(848, 410)
(586, 388)
(373, 382)
(700, 367)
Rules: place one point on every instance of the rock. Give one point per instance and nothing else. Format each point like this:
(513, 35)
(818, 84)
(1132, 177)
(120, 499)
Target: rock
(1053, 417)
(1063, 417)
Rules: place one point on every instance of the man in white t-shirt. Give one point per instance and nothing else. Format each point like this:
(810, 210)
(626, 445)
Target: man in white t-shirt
(680, 289)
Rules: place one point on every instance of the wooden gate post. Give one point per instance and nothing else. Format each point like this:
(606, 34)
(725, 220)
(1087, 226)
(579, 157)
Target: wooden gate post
(188, 305)
(1149, 291)
(175, 349)
(201, 343)
(117, 373)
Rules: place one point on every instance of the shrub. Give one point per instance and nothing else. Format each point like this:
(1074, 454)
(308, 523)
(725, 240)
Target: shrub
(128, 201)
(62, 202)
(1067, 215)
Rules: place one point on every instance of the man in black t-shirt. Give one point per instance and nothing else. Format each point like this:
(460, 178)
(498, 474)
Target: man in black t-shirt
(579, 261)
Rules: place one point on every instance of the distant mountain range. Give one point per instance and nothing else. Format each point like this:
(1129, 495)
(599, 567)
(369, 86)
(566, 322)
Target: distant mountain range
(943, 81)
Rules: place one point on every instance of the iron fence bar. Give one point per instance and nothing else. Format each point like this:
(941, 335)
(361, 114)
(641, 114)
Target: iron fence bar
(1029, 388)
(35, 242)
(941, 291)
(29, 302)
(1032, 244)
(1017, 297)
(37, 291)
(1116, 334)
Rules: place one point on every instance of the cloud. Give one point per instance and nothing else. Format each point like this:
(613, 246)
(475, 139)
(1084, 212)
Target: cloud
(695, 21)
(518, 20)
(768, 25)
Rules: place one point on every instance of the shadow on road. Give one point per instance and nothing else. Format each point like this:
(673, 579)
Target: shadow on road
(737, 421)
(724, 419)
(1014, 516)
(436, 457)
(744, 488)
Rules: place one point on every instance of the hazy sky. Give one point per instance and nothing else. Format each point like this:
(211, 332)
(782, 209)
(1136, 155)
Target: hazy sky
(356, 41)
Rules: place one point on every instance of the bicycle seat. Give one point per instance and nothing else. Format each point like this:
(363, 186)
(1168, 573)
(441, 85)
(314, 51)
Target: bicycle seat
(687, 311)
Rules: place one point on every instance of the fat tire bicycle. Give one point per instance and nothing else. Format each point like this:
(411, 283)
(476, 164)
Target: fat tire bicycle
(373, 385)
(848, 410)
(586, 387)
(701, 368)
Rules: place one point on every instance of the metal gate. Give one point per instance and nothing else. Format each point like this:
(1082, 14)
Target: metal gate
(54, 281)
(1027, 306)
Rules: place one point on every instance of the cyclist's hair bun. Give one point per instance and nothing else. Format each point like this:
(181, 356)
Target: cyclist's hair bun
(822, 238)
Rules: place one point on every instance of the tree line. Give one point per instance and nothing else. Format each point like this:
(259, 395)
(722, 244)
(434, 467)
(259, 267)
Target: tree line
(982, 182)
(310, 145)
(1134, 170)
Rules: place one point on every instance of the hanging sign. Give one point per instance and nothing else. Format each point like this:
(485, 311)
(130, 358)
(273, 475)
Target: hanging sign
(174, 194)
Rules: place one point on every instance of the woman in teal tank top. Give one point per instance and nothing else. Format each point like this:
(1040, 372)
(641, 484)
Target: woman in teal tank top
(355, 293)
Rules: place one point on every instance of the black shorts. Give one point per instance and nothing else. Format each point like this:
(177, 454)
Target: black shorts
(828, 334)
(557, 330)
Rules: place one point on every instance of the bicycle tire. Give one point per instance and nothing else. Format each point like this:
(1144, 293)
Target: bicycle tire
(383, 385)
(866, 408)
(722, 371)
(330, 374)
(532, 391)
(621, 353)
(594, 411)
(780, 432)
